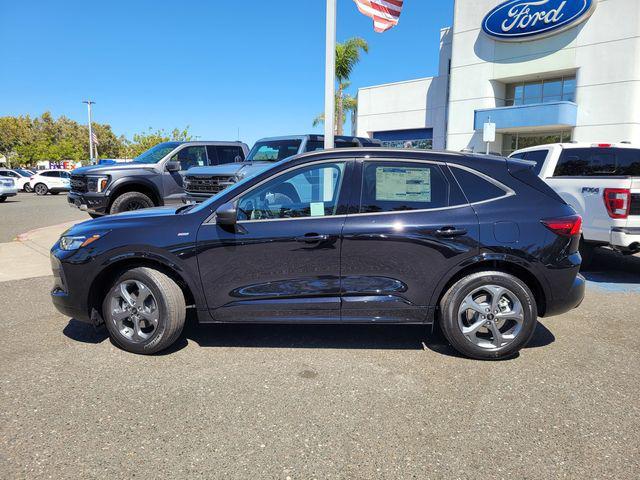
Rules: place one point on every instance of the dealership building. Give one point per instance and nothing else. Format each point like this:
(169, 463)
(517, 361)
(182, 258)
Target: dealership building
(542, 71)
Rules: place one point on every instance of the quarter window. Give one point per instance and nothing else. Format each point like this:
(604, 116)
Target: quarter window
(402, 186)
(476, 188)
(305, 192)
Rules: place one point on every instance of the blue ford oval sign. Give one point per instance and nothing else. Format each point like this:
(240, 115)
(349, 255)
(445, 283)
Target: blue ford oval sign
(520, 20)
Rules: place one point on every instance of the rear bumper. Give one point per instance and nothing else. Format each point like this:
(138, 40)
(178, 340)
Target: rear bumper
(88, 202)
(570, 300)
(8, 191)
(626, 238)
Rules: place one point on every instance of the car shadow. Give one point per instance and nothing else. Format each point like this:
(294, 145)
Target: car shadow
(367, 337)
(615, 269)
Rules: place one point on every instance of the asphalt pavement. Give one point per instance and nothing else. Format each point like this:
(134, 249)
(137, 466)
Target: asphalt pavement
(27, 211)
(243, 401)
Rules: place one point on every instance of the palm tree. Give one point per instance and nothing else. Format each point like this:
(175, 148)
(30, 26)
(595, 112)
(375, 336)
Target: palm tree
(347, 57)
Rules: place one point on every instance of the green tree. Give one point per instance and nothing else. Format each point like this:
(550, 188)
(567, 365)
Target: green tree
(144, 141)
(347, 57)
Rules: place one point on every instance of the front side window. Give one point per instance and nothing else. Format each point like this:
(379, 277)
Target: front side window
(402, 186)
(273, 150)
(305, 192)
(189, 157)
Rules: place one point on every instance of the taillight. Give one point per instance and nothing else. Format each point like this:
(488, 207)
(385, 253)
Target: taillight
(565, 226)
(617, 201)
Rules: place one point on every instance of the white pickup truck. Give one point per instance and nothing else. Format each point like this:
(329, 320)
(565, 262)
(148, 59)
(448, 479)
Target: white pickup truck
(602, 183)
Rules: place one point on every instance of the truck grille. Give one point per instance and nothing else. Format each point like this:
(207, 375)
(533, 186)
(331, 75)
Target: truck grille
(78, 184)
(207, 184)
(635, 204)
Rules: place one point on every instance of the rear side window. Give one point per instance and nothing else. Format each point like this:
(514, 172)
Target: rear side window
(219, 155)
(538, 156)
(476, 188)
(402, 186)
(578, 162)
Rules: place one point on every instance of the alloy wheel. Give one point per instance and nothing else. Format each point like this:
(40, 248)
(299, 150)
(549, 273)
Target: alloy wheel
(491, 317)
(134, 311)
(41, 190)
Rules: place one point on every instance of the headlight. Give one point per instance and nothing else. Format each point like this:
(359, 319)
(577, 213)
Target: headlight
(97, 184)
(68, 242)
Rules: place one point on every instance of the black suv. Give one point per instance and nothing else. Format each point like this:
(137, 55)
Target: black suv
(476, 243)
(154, 178)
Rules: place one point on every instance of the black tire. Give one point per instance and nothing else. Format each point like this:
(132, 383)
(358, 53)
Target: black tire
(54, 192)
(171, 307)
(453, 298)
(130, 201)
(27, 188)
(95, 215)
(41, 189)
(587, 252)
(2, 199)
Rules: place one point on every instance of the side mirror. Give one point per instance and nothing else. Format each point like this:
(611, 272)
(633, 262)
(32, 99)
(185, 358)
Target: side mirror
(172, 166)
(226, 214)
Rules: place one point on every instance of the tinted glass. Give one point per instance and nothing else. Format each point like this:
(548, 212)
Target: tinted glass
(274, 150)
(476, 188)
(538, 156)
(305, 192)
(229, 154)
(598, 162)
(64, 174)
(402, 186)
(50, 174)
(191, 157)
(157, 153)
(313, 145)
(24, 173)
(4, 173)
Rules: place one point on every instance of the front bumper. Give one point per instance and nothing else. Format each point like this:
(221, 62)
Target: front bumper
(195, 197)
(89, 202)
(69, 304)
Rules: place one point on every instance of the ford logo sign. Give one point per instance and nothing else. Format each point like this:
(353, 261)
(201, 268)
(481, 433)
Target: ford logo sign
(520, 20)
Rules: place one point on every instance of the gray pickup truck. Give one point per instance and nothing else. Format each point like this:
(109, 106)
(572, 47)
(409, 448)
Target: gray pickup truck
(203, 182)
(152, 179)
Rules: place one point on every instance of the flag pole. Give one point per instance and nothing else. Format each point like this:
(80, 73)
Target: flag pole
(330, 76)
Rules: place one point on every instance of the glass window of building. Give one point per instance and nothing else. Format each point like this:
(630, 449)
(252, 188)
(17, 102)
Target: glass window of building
(541, 91)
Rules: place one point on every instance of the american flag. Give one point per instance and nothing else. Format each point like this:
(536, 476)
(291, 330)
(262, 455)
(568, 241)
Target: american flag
(94, 138)
(385, 13)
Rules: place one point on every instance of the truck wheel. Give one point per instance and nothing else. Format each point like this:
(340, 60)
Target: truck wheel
(488, 315)
(130, 201)
(587, 252)
(144, 311)
(41, 189)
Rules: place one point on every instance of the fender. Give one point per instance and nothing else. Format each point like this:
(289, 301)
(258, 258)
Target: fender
(129, 180)
(489, 257)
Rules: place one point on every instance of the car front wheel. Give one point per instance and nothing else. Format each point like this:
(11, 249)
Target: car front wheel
(27, 188)
(488, 315)
(144, 311)
(41, 189)
(130, 201)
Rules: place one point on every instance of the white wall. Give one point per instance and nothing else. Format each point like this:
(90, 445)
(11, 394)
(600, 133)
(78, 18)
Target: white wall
(604, 52)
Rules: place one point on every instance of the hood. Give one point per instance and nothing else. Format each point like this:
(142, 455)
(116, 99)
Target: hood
(106, 169)
(110, 222)
(238, 169)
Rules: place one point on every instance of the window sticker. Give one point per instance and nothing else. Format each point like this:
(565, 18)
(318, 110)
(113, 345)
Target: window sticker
(403, 184)
(317, 209)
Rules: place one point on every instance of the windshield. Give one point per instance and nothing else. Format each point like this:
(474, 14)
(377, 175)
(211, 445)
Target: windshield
(157, 153)
(273, 150)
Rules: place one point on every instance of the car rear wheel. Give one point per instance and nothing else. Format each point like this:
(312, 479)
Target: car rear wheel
(2, 199)
(130, 201)
(488, 315)
(27, 188)
(41, 189)
(144, 311)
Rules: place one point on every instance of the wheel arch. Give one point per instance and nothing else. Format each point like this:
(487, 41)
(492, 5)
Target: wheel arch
(137, 185)
(500, 264)
(115, 268)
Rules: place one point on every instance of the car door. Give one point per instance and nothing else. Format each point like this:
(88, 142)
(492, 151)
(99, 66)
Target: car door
(281, 262)
(188, 157)
(408, 226)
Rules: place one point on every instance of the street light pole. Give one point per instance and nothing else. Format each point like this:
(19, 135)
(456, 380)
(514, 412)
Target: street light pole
(89, 103)
(330, 77)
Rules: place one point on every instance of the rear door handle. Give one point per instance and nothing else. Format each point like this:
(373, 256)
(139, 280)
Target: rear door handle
(451, 232)
(312, 238)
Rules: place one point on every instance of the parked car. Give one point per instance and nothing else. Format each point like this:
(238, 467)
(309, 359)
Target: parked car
(153, 178)
(602, 183)
(50, 181)
(478, 244)
(20, 177)
(8, 188)
(201, 183)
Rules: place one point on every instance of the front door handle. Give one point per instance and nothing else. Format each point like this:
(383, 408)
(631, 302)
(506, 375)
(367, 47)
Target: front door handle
(312, 238)
(451, 232)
